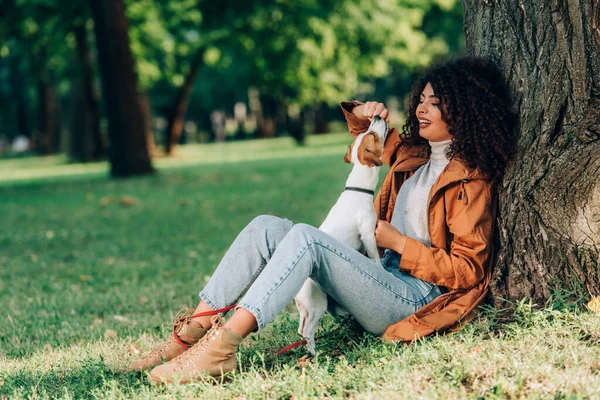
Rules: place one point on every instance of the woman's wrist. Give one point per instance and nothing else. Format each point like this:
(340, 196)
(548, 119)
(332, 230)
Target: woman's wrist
(400, 243)
(359, 111)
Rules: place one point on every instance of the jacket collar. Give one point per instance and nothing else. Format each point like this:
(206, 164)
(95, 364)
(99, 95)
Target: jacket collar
(456, 171)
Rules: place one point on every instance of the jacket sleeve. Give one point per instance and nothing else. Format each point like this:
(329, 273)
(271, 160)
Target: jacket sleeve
(390, 147)
(471, 229)
(356, 126)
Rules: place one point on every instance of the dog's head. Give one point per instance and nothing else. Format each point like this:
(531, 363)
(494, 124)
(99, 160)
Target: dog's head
(368, 147)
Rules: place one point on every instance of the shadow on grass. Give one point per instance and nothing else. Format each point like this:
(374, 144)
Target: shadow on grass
(339, 337)
(56, 383)
(342, 338)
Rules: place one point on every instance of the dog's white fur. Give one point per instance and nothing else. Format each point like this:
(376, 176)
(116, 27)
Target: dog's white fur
(352, 221)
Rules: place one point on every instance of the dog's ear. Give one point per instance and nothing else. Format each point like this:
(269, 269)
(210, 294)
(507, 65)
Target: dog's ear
(348, 156)
(370, 150)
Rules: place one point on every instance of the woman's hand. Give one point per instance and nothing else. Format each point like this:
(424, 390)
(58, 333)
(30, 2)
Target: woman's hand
(388, 237)
(370, 109)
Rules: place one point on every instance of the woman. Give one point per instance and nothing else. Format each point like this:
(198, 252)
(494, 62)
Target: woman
(437, 212)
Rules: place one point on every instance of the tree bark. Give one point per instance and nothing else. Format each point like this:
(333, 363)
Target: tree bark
(177, 113)
(128, 150)
(550, 205)
(86, 135)
(266, 119)
(146, 110)
(321, 120)
(47, 140)
(18, 87)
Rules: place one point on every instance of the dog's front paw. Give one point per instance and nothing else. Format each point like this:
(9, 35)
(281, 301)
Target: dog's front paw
(310, 344)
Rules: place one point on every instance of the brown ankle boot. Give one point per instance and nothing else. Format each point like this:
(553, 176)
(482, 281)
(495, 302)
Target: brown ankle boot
(186, 333)
(213, 355)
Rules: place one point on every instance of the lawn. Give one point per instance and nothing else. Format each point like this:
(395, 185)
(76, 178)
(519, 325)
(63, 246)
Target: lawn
(92, 270)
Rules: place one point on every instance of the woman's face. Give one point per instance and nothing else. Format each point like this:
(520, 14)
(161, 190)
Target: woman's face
(431, 126)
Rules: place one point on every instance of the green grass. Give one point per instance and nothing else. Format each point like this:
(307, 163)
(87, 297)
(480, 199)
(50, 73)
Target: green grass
(84, 277)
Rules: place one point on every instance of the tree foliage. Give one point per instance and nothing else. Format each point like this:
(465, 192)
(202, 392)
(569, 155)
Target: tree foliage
(299, 53)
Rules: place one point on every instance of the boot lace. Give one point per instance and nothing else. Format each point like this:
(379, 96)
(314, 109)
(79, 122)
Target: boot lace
(178, 322)
(196, 350)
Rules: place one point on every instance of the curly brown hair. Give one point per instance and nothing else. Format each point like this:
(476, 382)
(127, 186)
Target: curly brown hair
(474, 103)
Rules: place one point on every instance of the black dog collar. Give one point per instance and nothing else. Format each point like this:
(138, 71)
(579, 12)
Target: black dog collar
(356, 189)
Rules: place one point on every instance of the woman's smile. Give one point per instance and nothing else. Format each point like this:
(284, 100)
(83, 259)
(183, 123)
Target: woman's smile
(424, 123)
(431, 125)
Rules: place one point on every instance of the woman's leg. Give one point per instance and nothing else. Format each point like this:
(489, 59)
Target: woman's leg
(374, 296)
(240, 266)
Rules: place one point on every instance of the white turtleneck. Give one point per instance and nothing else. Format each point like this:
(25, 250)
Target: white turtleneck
(410, 212)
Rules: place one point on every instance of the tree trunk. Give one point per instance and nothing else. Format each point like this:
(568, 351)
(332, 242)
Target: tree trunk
(18, 87)
(177, 113)
(128, 151)
(146, 110)
(47, 140)
(321, 120)
(550, 206)
(296, 124)
(86, 136)
(266, 122)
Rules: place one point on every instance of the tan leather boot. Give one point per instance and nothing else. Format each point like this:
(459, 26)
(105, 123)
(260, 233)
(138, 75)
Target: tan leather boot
(214, 356)
(186, 333)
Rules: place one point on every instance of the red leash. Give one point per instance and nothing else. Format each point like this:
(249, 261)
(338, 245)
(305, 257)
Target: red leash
(303, 341)
(291, 346)
(220, 310)
(200, 314)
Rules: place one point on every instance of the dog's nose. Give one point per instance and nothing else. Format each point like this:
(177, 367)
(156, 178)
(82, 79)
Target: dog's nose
(376, 118)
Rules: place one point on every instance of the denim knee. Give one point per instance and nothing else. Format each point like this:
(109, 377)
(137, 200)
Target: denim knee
(266, 220)
(304, 232)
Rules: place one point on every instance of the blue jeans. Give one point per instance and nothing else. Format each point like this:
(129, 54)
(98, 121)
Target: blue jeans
(271, 258)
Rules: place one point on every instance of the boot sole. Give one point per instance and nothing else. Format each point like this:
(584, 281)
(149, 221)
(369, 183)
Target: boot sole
(220, 379)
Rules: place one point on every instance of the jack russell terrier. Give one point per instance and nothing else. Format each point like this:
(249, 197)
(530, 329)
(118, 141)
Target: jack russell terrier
(352, 221)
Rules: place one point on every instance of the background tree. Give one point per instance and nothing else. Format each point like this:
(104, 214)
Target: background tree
(128, 151)
(87, 142)
(301, 58)
(45, 44)
(34, 33)
(289, 64)
(550, 207)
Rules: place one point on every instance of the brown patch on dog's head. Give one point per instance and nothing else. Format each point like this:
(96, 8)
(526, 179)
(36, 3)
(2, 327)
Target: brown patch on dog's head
(348, 156)
(370, 150)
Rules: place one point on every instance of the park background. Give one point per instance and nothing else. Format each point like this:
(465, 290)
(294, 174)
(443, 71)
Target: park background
(137, 138)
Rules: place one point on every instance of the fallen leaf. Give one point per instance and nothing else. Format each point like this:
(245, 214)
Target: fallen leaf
(96, 322)
(594, 305)
(110, 334)
(133, 349)
(192, 254)
(85, 278)
(34, 258)
(142, 300)
(303, 361)
(104, 201)
(1, 382)
(120, 318)
(127, 200)
(475, 350)
(50, 235)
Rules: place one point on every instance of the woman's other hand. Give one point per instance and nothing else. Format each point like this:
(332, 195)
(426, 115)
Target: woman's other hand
(370, 109)
(388, 237)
